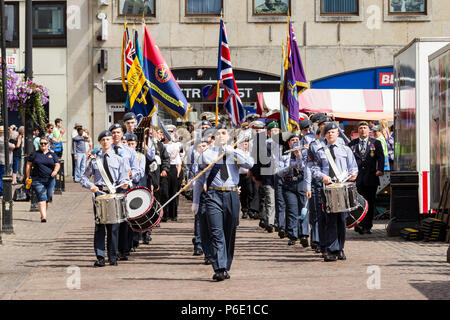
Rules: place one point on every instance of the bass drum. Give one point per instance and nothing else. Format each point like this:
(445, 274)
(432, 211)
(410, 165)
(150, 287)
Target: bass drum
(143, 210)
(355, 216)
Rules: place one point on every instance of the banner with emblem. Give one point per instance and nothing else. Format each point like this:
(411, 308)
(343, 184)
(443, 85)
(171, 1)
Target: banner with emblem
(164, 89)
(294, 82)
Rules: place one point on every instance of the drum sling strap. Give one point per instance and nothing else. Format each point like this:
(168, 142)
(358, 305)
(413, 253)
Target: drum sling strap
(330, 160)
(102, 171)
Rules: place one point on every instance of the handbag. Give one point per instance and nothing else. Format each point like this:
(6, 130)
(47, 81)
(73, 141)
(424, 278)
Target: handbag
(21, 194)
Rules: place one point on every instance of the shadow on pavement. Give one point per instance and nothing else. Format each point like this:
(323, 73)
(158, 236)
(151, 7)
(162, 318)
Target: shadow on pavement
(434, 290)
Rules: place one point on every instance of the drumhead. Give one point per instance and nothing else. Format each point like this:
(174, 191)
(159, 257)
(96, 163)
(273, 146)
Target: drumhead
(139, 201)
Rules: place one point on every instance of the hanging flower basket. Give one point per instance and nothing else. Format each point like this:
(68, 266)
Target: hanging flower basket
(27, 97)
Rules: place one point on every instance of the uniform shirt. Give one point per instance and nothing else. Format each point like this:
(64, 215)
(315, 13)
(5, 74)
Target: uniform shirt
(173, 149)
(233, 162)
(117, 168)
(150, 154)
(289, 164)
(131, 161)
(43, 165)
(307, 139)
(345, 161)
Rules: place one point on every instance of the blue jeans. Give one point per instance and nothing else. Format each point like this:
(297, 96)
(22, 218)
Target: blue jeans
(80, 166)
(16, 164)
(44, 190)
(2, 173)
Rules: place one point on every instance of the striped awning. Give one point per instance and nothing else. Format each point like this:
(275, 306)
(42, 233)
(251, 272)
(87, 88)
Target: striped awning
(364, 104)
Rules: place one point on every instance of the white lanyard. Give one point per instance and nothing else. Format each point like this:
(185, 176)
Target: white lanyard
(102, 171)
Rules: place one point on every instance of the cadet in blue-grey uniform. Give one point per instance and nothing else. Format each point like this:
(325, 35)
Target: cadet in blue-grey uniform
(335, 224)
(221, 199)
(115, 169)
(296, 189)
(308, 137)
(135, 173)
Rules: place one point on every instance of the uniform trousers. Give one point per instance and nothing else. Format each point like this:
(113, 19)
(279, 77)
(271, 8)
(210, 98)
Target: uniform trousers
(245, 182)
(112, 239)
(269, 204)
(280, 205)
(369, 193)
(201, 239)
(295, 199)
(315, 222)
(222, 215)
(169, 186)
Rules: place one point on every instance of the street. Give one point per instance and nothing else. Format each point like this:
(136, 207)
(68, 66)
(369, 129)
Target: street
(55, 261)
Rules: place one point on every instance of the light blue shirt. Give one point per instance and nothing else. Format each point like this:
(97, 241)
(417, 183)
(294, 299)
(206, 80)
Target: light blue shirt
(150, 154)
(345, 161)
(233, 161)
(289, 163)
(131, 161)
(116, 167)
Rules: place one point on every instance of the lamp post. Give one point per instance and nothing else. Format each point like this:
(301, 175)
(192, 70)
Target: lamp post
(7, 203)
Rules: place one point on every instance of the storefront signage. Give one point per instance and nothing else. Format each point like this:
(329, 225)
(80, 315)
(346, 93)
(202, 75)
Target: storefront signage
(385, 79)
(11, 60)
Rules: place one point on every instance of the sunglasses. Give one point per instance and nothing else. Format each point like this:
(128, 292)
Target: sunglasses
(43, 143)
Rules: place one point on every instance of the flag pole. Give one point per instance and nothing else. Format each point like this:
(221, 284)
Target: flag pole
(218, 80)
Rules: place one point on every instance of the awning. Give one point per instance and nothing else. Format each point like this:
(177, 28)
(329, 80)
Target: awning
(363, 104)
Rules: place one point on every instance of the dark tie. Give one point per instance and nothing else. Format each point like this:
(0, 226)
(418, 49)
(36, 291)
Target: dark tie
(224, 169)
(116, 149)
(363, 147)
(332, 174)
(105, 165)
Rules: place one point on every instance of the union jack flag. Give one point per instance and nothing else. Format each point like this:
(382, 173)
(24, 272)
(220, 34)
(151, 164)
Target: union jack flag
(128, 53)
(232, 101)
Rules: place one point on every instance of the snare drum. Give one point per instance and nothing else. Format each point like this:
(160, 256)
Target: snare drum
(341, 197)
(110, 208)
(143, 209)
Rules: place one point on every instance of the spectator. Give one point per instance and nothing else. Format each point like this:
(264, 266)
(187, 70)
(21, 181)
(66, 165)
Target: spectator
(36, 138)
(2, 156)
(43, 165)
(377, 131)
(79, 151)
(50, 137)
(22, 147)
(16, 139)
(58, 132)
(88, 142)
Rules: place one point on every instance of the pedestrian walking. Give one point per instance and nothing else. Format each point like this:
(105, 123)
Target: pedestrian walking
(79, 151)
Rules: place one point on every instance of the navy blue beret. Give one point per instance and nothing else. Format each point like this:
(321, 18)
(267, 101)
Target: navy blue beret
(330, 126)
(117, 126)
(104, 133)
(131, 137)
(305, 124)
(129, 116)
(324, 119)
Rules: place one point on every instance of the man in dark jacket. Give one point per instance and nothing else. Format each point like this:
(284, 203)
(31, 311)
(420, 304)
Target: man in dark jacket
(370, 159)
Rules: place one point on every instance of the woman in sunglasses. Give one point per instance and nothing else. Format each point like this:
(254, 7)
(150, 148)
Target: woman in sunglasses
(43, 166)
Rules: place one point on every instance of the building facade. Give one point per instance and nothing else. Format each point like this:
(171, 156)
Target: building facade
(334, 37)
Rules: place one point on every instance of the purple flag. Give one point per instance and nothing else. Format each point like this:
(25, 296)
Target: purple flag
(294, 82)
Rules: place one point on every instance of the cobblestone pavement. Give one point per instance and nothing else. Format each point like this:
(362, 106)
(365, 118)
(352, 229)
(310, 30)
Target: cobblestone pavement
(40, 261)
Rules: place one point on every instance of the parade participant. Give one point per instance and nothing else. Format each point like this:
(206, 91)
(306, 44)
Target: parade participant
(171, 184)
(221, 199)
(245, 183)
(308, 138)
(134, 174)
(42, 166)
(370, 160)
(130, 121)
(296, 189)
(257, 203)
(115, 168)
(335, 224)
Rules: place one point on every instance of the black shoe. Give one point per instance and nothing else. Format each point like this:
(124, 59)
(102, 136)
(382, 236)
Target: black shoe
(317, 250)
(122, 257)
(357, 228)
(198, 252)
(341, 255)
(133, 249)
(367, 231)
(227, 276)
(163, 219)
(244, 215)
(174, 219)
(193, 241)
(146, 241)
(207, 261)
(99, 263)
(304, 242)
(113, 263)
(269, 228)
(282, 234)
(262, 224)
(219, 276)
(291, 242)
(314, 245)
(330, 257)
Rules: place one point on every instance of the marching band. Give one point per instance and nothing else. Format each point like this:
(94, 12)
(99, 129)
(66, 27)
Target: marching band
(291, 182)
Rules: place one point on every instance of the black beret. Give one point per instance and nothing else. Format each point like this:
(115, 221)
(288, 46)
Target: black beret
(131, 137)
(117, 126)
(330, 126)
(124, 137)
(324, 119)
(305, 124)
(205, 123)
(293, 135)
(104, 133)
(315, 117)
(129, 116)
(220, 126)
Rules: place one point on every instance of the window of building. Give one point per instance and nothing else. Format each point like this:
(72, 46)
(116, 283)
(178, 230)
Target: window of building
(339, 7)
(407, 7)
(49, 24)
(204, 7)
(12, 24)
(136, 7)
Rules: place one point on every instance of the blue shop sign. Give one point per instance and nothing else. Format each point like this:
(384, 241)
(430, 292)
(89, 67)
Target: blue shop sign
(374, 78)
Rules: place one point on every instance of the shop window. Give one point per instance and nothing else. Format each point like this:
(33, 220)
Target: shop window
(12, 24)
(49, 24)
(407, 7)
(203, 7)
(339, 7)
(136, 8)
